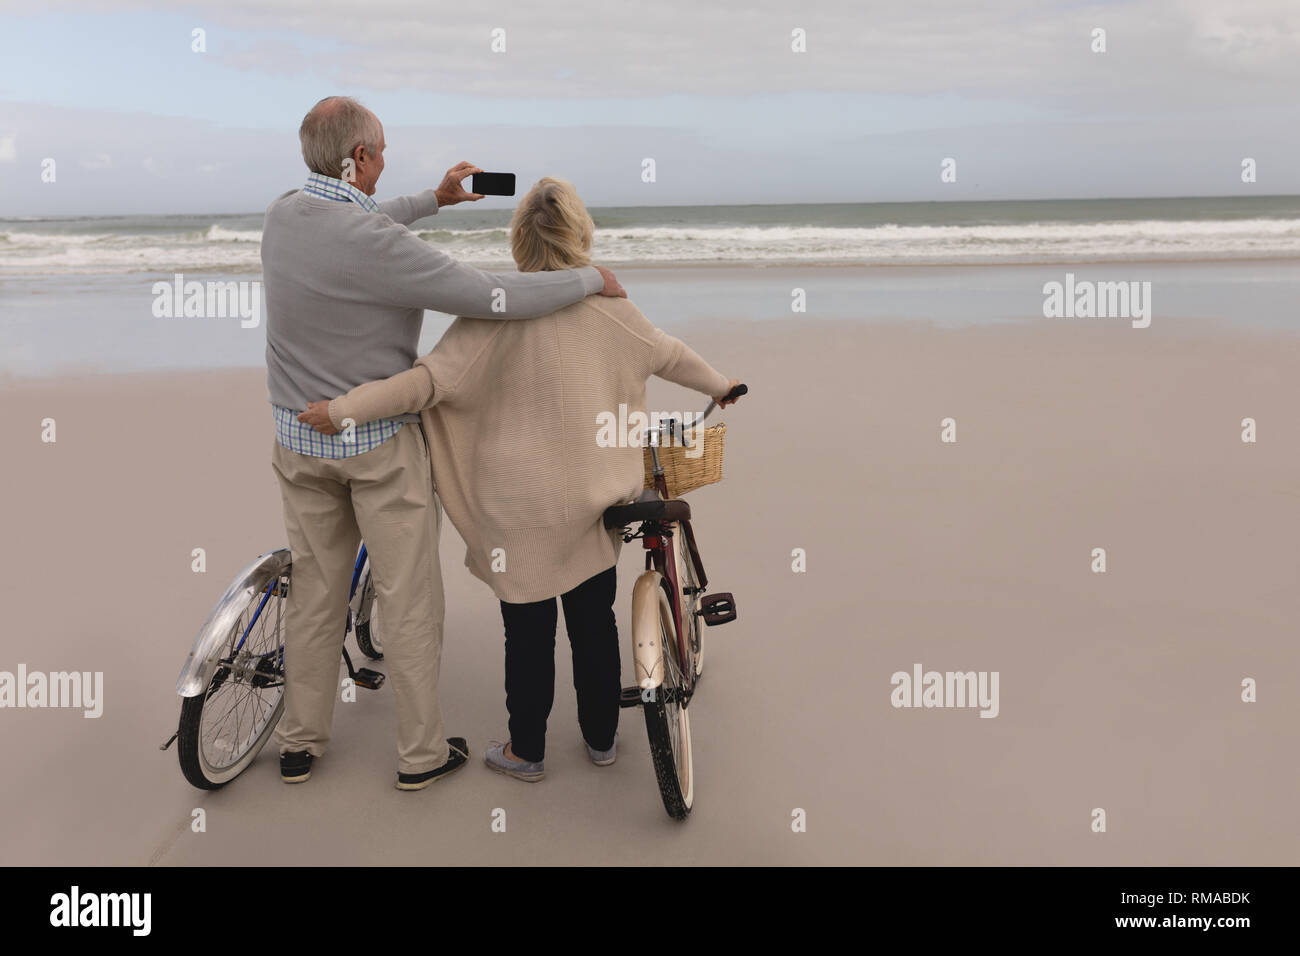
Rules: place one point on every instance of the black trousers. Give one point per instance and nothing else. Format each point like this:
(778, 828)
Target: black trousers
(530, 665)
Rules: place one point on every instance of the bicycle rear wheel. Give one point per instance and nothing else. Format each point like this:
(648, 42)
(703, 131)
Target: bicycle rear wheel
(223, 729)
(367, 620)
(667, 722)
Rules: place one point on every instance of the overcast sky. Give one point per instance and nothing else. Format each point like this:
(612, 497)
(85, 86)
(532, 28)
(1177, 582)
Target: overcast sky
(586, 89)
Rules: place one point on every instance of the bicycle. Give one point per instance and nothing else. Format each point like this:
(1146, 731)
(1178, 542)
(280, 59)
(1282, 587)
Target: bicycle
(668, 602)
(232, 683)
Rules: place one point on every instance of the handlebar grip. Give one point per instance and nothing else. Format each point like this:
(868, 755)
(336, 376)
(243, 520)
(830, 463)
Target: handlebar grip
(735, 393)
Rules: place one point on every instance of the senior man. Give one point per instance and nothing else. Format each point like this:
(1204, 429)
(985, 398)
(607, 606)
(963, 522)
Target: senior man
(346, 288)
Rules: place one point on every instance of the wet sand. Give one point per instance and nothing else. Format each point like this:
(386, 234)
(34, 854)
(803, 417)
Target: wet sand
(1119, 691)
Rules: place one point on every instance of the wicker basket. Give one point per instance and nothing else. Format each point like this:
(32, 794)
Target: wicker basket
(683, 473)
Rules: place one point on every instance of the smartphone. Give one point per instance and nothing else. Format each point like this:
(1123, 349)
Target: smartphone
(493, 184)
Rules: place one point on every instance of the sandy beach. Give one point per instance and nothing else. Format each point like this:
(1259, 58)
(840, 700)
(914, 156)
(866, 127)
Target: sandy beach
(1119, 690)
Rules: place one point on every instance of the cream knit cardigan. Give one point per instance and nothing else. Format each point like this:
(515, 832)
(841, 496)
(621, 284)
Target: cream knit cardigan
(510, 408)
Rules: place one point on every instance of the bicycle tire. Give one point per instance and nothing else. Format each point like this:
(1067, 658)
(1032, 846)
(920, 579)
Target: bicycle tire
(673, 763)
(192, 765)
(686, 579)
(367, 628)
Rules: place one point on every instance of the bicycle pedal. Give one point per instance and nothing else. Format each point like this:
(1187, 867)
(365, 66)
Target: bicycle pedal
(717, 608)
(631, 697)
(371, 680)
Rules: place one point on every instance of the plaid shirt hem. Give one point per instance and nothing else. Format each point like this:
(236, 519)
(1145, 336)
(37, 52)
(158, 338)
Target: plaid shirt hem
(305, 440)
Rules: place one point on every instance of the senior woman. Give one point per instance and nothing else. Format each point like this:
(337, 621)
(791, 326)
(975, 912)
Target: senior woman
(511, 412)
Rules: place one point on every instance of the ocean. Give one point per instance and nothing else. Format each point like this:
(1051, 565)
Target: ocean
(1098, 230)
(76, 293)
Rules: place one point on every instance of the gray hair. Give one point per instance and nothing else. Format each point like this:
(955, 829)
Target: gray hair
(332, 130)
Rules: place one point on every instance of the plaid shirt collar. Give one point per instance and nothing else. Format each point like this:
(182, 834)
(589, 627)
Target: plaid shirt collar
(327, 187)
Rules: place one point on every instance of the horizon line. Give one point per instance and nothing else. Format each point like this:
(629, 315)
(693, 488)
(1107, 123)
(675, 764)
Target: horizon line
(734, 205)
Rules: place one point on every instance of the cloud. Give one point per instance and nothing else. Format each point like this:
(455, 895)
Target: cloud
(1158, 52)
(96, 161)
(587, 89)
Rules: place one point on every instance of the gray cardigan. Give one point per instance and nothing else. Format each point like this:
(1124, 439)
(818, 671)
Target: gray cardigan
(346, 291)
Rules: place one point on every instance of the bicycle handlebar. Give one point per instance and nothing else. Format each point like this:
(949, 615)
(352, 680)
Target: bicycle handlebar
(732, 395)
(673, 427)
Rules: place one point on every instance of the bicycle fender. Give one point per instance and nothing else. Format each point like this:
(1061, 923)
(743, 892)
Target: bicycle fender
(199, 667)
(647, 643)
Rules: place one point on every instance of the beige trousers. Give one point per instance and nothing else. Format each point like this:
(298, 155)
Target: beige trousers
(385, 496)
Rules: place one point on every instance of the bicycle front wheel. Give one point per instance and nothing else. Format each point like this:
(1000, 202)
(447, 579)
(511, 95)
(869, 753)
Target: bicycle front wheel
(223, 729)
(667, 722)
(689, 598)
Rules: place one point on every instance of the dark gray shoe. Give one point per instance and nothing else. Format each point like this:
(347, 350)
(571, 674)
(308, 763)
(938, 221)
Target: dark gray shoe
(603, 758)
(525, 770)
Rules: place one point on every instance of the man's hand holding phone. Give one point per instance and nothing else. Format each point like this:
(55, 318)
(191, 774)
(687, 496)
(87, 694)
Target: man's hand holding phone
(452, 189)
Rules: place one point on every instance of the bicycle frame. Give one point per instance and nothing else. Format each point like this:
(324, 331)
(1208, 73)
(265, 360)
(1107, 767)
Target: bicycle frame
(661, 557)
(362, 556)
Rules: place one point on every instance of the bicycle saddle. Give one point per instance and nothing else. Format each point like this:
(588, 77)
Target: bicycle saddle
(649, 506)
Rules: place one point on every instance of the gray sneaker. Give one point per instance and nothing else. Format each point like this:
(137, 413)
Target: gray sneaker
(603, 758)
(526, 770)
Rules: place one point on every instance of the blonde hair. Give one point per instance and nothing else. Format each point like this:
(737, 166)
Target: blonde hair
(551, 228)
